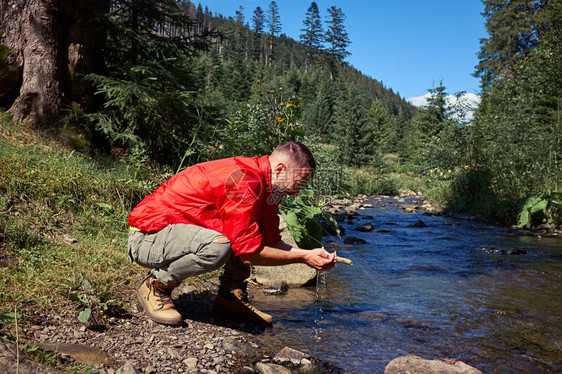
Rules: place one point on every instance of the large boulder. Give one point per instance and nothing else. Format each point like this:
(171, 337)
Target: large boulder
(415, 364)
(295, 275)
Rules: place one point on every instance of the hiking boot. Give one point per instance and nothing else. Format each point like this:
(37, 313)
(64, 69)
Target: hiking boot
(155, 298)
(234, 303)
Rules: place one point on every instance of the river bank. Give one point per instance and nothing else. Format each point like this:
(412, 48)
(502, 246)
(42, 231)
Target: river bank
(204, 344)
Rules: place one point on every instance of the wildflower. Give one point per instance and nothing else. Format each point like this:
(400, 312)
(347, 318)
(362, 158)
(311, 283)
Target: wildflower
(467, 167)
(290, 105)
(281, 104)
(278, 119)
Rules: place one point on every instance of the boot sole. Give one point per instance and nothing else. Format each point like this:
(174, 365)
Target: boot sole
(163, 321)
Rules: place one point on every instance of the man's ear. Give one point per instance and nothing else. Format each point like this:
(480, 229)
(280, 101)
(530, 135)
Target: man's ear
(279, 168)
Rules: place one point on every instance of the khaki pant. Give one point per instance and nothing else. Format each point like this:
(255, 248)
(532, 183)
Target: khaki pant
(181, 251)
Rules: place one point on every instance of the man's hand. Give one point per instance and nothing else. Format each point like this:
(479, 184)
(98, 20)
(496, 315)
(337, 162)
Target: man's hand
(320, 259)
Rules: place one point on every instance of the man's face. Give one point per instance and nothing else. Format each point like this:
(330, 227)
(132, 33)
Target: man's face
(290, 181)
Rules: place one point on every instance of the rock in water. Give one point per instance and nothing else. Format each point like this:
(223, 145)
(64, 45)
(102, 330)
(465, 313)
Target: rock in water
(353, 240)
(418, 223)
(287, 355)
(271, 369)
(416, 364)
(277, 288)
(365, 228)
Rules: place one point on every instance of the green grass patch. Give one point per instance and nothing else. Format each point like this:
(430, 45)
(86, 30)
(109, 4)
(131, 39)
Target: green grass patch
(63, 224)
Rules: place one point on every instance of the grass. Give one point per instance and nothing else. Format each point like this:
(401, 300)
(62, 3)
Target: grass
(48, 195)
(63, 225)
(63, 229)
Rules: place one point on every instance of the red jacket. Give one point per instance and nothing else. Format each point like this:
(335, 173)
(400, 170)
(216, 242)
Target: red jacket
(231, 196)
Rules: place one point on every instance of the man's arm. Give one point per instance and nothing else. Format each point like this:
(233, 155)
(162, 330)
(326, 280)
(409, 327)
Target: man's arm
(281, 254)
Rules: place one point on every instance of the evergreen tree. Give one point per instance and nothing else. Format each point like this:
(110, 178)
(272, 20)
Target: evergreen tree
(148, 98)
(274, 20)
(378, 121)
(336, 35)
(318, 112)
(312, 35)
(515, 27)
(274, 25)
(258, 20)
(239, 19)
(354, 141)
(433, 117)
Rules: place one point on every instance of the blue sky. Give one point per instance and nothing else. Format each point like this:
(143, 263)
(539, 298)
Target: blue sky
(409, 45)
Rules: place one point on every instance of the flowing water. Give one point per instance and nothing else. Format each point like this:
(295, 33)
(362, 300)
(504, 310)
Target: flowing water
(484, 295)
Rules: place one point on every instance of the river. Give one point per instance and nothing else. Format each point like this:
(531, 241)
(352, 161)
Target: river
(485, 295)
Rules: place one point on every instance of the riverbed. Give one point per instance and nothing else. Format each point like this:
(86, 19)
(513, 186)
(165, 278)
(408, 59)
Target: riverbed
(485, 295)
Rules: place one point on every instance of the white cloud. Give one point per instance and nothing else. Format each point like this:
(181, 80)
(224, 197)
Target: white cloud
(470, 98)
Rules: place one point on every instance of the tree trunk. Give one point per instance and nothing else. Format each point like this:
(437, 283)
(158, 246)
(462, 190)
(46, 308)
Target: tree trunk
(50, 43)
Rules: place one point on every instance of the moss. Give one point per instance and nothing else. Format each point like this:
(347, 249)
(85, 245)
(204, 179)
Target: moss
(4, 53)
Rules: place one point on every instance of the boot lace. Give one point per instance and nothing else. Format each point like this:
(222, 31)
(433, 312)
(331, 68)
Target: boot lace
(163, 295)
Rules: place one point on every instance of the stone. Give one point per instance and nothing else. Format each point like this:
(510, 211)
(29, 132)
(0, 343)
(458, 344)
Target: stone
(67, 239)
(263, 368)
(174, 353)
(295, 275)
(418, 223)
(410, 208)
(353, 240)
(190, 363)
(415, 364)
(287, 355)
(307, 367)
(84, 354)
(232, 345)
(365, 228)
(128, 368)
(9, 363)
(277, 288)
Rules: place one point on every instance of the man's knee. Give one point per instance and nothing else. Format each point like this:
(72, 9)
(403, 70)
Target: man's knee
(216, 252)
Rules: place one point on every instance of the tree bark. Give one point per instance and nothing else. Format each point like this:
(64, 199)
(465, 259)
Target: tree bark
(50, 43)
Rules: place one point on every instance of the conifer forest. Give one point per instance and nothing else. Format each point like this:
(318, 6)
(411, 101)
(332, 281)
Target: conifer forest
(181, 83)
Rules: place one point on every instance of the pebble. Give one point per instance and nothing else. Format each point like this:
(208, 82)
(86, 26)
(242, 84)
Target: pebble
(203, 345)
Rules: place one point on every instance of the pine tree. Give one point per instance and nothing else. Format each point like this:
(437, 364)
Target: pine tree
(258, 20)
(274, 25)
(433, 117)
(336, 35)
(378, 121)
(515, 27)
(312, 35)
(353, 140)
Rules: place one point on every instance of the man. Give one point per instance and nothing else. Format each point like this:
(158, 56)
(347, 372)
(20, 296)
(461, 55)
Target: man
(214, 213)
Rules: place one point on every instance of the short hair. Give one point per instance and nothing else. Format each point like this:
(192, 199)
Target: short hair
(299, 152)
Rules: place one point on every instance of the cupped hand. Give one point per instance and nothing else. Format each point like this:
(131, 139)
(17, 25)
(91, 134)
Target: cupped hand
(320, 259)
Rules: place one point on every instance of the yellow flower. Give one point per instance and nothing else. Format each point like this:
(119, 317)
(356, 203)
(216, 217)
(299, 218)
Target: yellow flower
(467, 167)
(290, 105)
(281, 104)
(278, 119)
